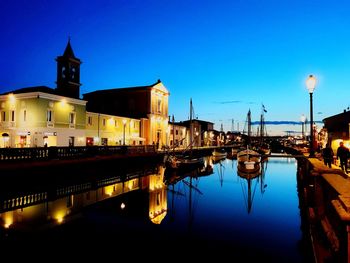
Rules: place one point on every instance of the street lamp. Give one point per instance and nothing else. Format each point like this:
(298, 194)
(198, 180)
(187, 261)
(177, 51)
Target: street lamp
(124, 124)
(302, 118)
(311, 84)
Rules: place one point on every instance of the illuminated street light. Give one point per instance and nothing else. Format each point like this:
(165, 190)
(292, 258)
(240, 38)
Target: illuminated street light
(311, 84)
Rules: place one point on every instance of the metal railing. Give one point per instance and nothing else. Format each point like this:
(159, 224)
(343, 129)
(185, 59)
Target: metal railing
(50, 153)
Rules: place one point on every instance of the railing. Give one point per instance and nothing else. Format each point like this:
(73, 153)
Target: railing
(50, 153)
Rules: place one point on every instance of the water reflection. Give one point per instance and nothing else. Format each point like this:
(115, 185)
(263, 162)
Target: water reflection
(54, 206)
(203, 207)
(249, 179)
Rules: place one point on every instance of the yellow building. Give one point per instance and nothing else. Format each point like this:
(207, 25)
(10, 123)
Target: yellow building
(103, 129)
(35, 117)
(149, 104)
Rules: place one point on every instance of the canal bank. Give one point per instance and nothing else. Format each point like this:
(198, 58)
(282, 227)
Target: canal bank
(324, 196)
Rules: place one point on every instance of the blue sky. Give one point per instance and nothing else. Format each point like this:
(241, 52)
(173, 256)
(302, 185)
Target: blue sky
(229, 56)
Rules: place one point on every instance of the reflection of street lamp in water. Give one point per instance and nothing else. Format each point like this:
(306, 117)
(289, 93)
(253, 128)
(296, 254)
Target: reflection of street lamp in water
(311, 84)
(124, 124)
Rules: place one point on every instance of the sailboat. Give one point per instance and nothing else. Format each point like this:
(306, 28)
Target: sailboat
(185, 161)
(248, 160)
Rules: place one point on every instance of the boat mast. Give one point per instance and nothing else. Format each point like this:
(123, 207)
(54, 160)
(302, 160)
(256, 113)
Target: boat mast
(249, 127)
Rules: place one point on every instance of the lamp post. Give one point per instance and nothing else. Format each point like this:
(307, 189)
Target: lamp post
(302, 118)
(124, 124)
(311, 84)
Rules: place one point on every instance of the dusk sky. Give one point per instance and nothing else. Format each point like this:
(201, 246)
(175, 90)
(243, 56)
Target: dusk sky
(228, 56)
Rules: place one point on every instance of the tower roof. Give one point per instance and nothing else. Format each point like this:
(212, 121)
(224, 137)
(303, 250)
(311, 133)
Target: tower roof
(68, 52)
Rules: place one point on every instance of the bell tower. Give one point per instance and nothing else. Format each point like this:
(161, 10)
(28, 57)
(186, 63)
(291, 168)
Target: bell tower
(68, 73)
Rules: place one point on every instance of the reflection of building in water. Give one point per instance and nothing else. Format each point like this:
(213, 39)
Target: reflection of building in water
(47, 207)
(157, 197)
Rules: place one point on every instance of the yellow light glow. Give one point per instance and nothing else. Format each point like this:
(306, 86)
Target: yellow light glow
(12, 99)
(124, 121)
(108, 190)
(8, 219)
(59, 216)
(63, 103)
(111, 121)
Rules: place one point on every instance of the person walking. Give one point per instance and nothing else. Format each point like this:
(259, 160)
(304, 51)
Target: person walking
(343, 155)
(327, 154)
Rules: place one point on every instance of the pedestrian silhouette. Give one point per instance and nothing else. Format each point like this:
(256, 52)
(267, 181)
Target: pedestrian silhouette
(343, 155)
(327, 154)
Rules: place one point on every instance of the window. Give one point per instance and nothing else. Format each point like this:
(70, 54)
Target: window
(12, 115)
(3, 116)
(177, 132)
(90, 120)
(25, 115)
(49, 116)
(159, 105)
(71, 118)
(104, 122)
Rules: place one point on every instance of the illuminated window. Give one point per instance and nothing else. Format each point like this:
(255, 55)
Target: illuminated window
(49, 116)
(25, 115)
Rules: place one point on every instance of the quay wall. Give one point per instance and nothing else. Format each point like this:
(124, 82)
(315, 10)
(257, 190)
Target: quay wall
(324, 197)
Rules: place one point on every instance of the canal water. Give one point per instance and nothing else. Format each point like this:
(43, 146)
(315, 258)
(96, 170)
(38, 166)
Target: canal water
(151, 212)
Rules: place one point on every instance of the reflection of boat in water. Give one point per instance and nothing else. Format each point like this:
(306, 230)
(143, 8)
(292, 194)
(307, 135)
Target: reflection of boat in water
(249, 178)
(219, 153)
(186, 187)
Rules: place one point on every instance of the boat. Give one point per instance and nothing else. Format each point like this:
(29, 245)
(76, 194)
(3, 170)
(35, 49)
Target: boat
(219, 154)
(248, 160)
(173, 161)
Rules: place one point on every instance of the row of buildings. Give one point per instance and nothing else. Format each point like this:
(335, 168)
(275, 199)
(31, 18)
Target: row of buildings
(43, 116)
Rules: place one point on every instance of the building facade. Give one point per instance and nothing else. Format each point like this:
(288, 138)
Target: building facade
(149, 104)
(337, 128)
(33, 117)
